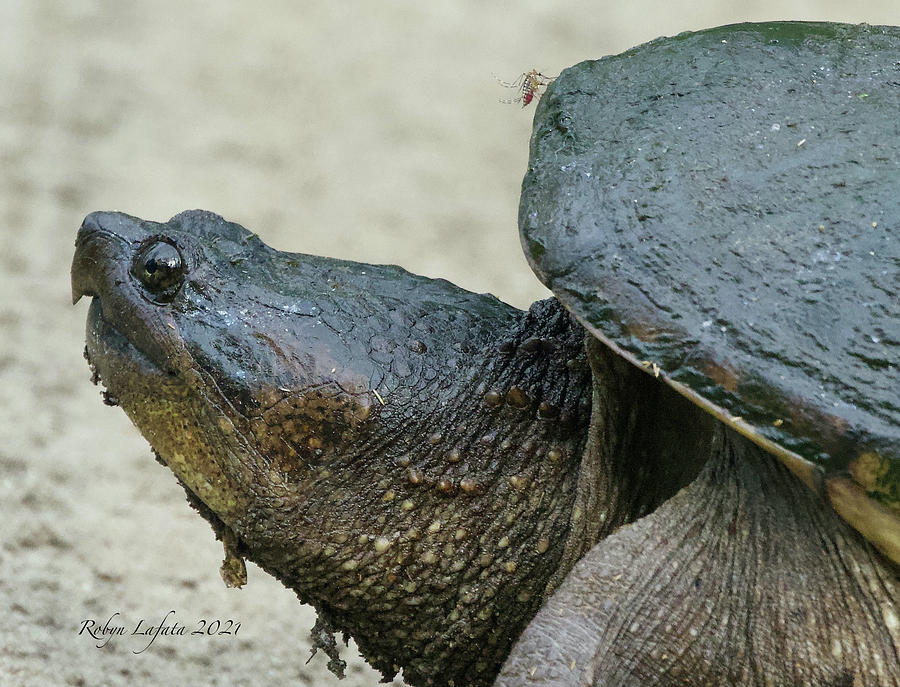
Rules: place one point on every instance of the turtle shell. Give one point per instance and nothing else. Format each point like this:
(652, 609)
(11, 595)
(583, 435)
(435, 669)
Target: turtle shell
(723, 209)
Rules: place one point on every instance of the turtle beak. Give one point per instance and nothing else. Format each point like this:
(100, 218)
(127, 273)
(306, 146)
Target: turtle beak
(101, 237)
(84, 264)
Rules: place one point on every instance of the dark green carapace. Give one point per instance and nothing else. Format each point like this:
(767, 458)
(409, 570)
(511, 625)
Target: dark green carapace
(726, 205)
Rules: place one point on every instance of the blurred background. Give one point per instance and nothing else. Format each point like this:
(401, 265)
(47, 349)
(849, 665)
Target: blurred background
(362, 130)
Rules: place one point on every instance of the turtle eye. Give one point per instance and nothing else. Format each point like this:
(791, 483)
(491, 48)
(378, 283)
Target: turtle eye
(160, 268)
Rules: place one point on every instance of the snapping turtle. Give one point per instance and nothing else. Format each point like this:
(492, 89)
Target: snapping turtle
(685, 470)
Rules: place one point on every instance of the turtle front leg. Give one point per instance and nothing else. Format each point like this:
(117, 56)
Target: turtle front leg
(744, 577)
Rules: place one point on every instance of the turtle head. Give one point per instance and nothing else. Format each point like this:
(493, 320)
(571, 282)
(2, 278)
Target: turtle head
(236, 376)
(402, 453)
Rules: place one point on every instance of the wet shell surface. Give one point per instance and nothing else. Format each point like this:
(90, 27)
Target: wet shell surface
(723, 209)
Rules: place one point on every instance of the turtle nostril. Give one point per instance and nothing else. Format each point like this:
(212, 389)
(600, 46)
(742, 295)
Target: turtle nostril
(103, 240)
(106, 222)
(93, 222)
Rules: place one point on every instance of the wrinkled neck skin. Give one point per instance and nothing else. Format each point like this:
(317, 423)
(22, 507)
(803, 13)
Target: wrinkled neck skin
(452, 503)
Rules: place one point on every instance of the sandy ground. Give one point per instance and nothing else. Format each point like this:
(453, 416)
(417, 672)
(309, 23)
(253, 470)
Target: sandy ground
(368, 131)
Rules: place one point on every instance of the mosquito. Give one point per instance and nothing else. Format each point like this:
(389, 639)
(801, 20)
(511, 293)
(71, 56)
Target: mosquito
(528, 85)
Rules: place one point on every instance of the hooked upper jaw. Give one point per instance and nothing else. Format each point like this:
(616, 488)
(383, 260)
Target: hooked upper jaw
(124, 327)
(101, 240)
(99, 245)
